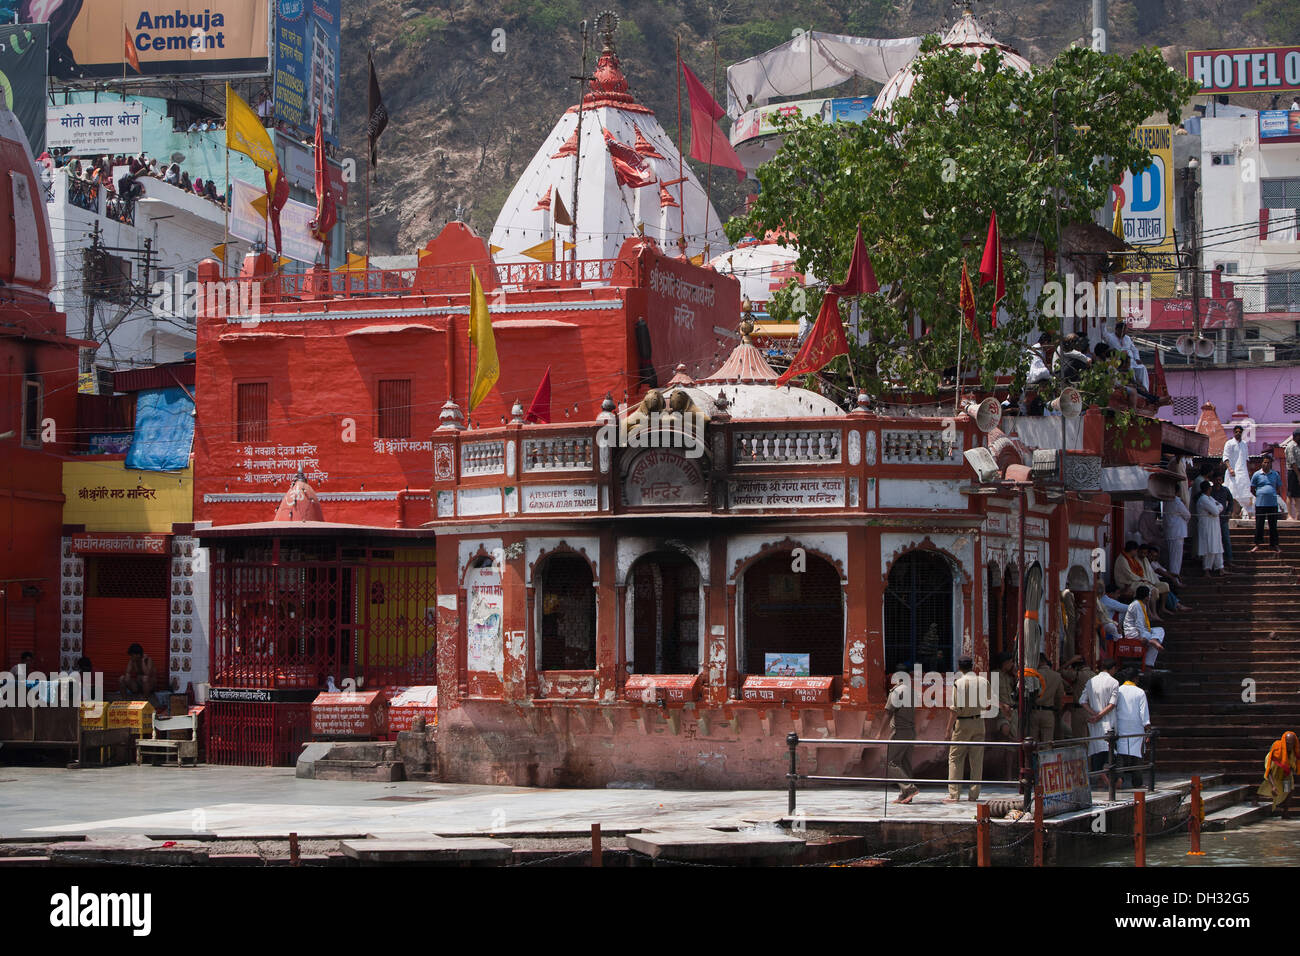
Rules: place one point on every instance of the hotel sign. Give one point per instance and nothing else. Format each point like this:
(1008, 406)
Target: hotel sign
(1254, 70)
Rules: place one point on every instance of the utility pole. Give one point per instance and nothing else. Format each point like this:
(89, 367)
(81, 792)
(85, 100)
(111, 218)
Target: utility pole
(88, 265)
(1100, 29)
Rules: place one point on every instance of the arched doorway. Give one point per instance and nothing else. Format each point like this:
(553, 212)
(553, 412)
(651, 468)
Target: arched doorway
(566, 602)
(919, 612)
(665, 615)
(793, 608)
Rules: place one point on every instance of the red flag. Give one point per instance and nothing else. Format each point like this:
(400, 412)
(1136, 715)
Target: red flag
(968, 303)
(539, 412)
(1160, 387)
(708, 143)
(277, 196)
(991, 266)
(545, 201)
(629, 168)
(132, 56)
(824, 342)
(861, 279)
(326, 214)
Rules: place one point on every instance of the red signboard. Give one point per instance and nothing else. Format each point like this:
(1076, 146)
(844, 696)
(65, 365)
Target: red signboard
(349, 714)
(789, 690)
(1270, 69)
(669, 688)
(1176, 314)
(127, 542)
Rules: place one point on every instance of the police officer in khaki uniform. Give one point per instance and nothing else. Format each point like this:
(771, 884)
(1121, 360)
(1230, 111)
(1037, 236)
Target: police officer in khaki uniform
(1008, 713)
(1042, 721)
(970, 692)
(1076, 673)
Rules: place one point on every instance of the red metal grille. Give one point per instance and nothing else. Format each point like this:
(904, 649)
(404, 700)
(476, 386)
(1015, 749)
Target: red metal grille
(245, 734)
(253, 401)
(395, 408)
(365, 614)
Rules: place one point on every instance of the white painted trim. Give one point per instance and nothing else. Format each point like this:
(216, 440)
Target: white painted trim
(522, 308)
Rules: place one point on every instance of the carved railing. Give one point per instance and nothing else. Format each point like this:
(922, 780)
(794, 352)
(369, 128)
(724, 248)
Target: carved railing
(561, 453)
(920, 447)
(786, 447)
(482, 458)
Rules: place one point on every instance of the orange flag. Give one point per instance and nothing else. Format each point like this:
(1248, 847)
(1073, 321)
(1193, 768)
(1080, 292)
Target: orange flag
(131, 56)
(968, 303)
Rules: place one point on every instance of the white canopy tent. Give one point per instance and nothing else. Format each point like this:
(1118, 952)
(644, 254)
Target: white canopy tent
(814, 61)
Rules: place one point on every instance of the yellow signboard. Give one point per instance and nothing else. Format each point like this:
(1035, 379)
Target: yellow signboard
(105, 496)
(1146, 202)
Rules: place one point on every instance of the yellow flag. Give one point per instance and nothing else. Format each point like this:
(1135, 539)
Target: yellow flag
(487, 370)
(543, 252)
(219, 250)
(356, 263)
(1117, 227)
(246, 134)
(260, 204)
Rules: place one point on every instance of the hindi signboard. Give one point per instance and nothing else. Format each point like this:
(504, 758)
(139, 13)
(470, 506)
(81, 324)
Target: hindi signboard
(1063, 780)
(96, 129)
(247, 223)
(307, 59)
(786, 493)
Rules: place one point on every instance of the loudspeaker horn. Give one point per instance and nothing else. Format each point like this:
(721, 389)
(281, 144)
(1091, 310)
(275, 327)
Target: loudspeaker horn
(1186, 345)
(987, 414)
(1069, 404)
(1204, 348)
(982, 463)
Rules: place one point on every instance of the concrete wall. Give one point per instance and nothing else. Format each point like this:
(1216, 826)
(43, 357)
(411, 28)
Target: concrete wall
(1260, 391)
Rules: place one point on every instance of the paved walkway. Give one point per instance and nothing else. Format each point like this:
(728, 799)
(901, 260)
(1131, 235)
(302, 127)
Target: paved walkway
(271, 802)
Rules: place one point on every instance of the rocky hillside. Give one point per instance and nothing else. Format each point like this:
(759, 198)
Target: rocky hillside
(472, 86)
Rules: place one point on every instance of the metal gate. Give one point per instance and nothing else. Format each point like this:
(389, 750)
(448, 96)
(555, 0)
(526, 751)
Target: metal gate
(918, 613)
(790, 611)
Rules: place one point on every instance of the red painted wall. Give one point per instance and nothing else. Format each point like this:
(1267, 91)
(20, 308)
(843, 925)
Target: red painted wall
(324, 358)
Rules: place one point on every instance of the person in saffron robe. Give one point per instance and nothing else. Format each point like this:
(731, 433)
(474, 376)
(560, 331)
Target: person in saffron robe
(1279, 770)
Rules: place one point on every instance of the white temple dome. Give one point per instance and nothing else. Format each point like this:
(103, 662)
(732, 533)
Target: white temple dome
(967, 35)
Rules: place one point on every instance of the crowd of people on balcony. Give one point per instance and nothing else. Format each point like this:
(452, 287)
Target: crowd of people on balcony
(86, 176)
(1068, 359)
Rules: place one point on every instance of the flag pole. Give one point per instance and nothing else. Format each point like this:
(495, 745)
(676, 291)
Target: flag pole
(225, 237)
(956, 402)
(370, 62)
(680, 160)
(708, 180)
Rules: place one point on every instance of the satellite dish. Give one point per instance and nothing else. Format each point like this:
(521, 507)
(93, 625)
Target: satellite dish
(1186, 345)
(982, 463)
(987, 414)
(1204, 348)
(1069, 404)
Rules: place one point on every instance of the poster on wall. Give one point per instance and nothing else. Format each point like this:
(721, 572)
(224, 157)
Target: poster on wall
(247, 223)
(787, 665)
(1147, 196)
(22, 78)
(483, 626)
(307, 66)
(191, 38)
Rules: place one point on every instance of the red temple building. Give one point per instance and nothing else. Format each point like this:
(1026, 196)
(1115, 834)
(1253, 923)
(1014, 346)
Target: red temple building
(37, 414)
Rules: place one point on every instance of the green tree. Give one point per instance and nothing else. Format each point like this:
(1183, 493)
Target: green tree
(1042, 149)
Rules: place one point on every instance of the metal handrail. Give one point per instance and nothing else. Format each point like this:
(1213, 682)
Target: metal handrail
(1111, 770)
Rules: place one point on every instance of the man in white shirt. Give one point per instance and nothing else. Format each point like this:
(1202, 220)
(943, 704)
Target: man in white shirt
(1120, 341)
(1176, 517)
(1236, 458)
(1038, 370)
(1098, 703)
(1138, 625)
(1292, 481)
(1132, 716)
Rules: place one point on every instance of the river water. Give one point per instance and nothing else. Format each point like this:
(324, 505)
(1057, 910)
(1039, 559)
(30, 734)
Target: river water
(1268, 843)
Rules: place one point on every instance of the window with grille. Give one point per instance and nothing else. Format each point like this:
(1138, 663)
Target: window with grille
(395, 408)
(665, 615)
(1282, 291)
(568, 604)
(1185, 405)
(127, 576)
(33, 398)
(1291, 404)
(919, 612)
(253, 399)
(1280, 193)
(794, 612)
